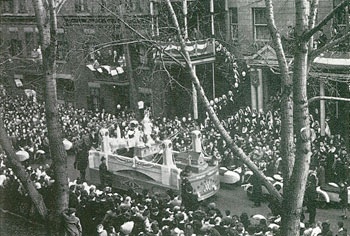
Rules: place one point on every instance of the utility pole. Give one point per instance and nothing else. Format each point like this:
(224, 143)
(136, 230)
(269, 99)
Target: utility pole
(133, 90)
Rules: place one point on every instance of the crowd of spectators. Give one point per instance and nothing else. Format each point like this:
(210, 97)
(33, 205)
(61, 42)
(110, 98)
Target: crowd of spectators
(107, 212)
(132, 213)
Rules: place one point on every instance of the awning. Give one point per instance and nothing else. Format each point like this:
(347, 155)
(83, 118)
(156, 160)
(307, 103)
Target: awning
(333, 61)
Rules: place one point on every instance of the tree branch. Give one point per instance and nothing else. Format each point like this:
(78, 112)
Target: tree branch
(313, 54)
(276, 37)
(287, 140)
(143, 37)
(314, 99)
(20, 172)
(60, 4)
(41, 19)
(53, 28)
(238, 151)
(312, 20)
(307, 35)
(313, 13)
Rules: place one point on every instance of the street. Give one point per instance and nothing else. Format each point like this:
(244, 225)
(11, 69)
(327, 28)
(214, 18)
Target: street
(235, 199)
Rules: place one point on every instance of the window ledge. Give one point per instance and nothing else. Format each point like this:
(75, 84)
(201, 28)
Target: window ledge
(16, 14)
(83, 13)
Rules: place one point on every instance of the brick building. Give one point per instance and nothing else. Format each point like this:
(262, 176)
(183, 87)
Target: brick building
(246, 29)
(86, 30)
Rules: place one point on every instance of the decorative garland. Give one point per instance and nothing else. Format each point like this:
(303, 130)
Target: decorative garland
(230, 60)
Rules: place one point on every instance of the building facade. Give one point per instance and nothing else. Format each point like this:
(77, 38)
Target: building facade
(246, 29)
(91, 67)
(91, 59)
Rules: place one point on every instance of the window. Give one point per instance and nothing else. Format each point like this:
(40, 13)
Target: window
(103, 5)
(61, 45)
(261, 32)
(81, 6)
(234, 22)
(132, 5)
(22, 6)
(15, 44)
(30, 43)
(340, 21)
(89, 45)
(95, 99)
(6, 6)
(339, 29)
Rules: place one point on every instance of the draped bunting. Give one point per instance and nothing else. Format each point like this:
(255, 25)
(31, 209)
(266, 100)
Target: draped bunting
(111, 70)
(195, 48)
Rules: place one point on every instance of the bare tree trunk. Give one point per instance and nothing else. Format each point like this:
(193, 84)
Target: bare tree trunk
(47, 25)
(236, 150)
(293, 207)
(287, 138)
(20, 172)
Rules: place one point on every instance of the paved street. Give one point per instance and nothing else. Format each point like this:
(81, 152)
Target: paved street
(236, 200)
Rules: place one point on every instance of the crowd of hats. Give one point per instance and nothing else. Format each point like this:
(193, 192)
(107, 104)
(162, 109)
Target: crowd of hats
(13, 193)
(257, 133)
(108, 212)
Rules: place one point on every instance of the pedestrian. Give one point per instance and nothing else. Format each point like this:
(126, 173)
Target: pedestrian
(257, 190)
(326, 229)
(81, 161)
(189, 200)
(341, 229)
(104, 173)
(311, 197)
(344, 199)
(70, 223)
(321, 175)
(101, 231)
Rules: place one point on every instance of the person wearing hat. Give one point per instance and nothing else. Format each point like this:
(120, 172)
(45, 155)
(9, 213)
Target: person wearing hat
(82, 160)
(326, 229)
(311, 197)
(341, 229)
(104, 173)
(71, 224)
(101, 231)
(344, 196)
(155, 214)
(257, 190)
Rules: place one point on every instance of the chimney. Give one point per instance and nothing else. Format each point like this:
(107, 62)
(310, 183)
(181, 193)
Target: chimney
(196, 141)
(168, 153)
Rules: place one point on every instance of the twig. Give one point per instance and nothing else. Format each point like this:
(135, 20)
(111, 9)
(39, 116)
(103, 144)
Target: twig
(308, 34)
(331, 44)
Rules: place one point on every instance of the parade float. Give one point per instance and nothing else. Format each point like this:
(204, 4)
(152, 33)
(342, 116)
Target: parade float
(141, 163)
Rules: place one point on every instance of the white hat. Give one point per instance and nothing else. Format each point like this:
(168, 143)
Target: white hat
(259, 217)
(37, 185)
(127, 227)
